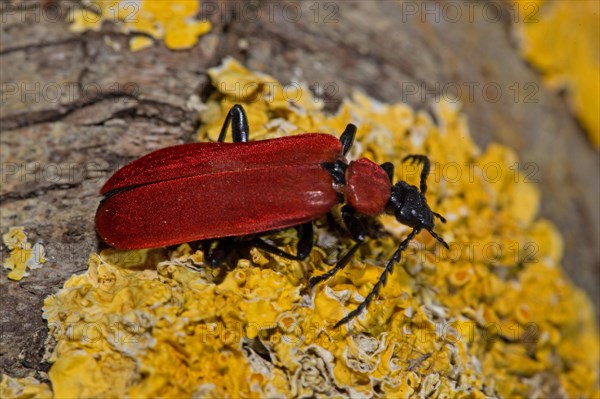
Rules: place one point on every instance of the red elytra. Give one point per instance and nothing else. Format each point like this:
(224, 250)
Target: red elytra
(211, 190)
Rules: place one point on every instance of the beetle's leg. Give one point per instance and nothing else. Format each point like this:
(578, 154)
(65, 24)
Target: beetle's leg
(382, 279)
(337, 170)
(389, 170)
(305, 240)
(358, 231)
(217, 255)
(347, 138)
(420, 159)
(303, 247)
(239, 125)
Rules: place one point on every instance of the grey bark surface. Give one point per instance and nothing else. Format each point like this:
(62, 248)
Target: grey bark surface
(116, 105)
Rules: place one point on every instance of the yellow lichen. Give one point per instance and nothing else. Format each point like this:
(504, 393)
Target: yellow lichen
(562, 39)
(493, 316)
(23, 255)
(171, 21)
(23, 388)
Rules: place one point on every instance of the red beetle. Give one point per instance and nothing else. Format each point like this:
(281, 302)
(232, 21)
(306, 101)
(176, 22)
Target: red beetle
(205, 191)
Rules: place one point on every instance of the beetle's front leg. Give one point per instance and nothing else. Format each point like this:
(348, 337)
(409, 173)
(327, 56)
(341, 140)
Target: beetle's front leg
(239, 125)
(359, 233)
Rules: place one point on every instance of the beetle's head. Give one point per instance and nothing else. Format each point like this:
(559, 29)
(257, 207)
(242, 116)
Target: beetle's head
(410, 207)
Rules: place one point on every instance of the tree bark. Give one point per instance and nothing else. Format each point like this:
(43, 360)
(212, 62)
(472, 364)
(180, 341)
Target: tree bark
(75, 107)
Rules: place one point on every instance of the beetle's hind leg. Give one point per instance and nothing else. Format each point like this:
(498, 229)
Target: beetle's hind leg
(382, 279)
(359, 233)
(303, 247)
(239, 125)
(420, 159)
(215, 256)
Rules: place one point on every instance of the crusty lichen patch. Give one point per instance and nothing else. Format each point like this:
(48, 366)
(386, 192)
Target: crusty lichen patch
(23, 256)
(562, 39)
(148, 20)
(23, 388)
(493, 317)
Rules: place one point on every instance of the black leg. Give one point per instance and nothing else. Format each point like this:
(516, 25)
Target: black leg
(389, 170)
(420, 159)
(358, 231)
(337, 170)
(305, 240)
(217, 255)
(239, 125)
(347, 138)
(303, 247)
(382, 279)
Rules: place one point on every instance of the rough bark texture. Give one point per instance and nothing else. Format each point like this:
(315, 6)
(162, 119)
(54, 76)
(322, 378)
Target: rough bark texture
(116, 105)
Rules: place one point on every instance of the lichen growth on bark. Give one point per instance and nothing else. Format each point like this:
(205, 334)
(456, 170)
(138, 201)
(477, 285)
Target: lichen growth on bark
(494, 316)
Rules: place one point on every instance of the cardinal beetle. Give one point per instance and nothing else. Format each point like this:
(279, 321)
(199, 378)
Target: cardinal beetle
(206, 191)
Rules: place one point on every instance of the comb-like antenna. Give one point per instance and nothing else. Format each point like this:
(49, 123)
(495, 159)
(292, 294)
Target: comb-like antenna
(442, 219)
